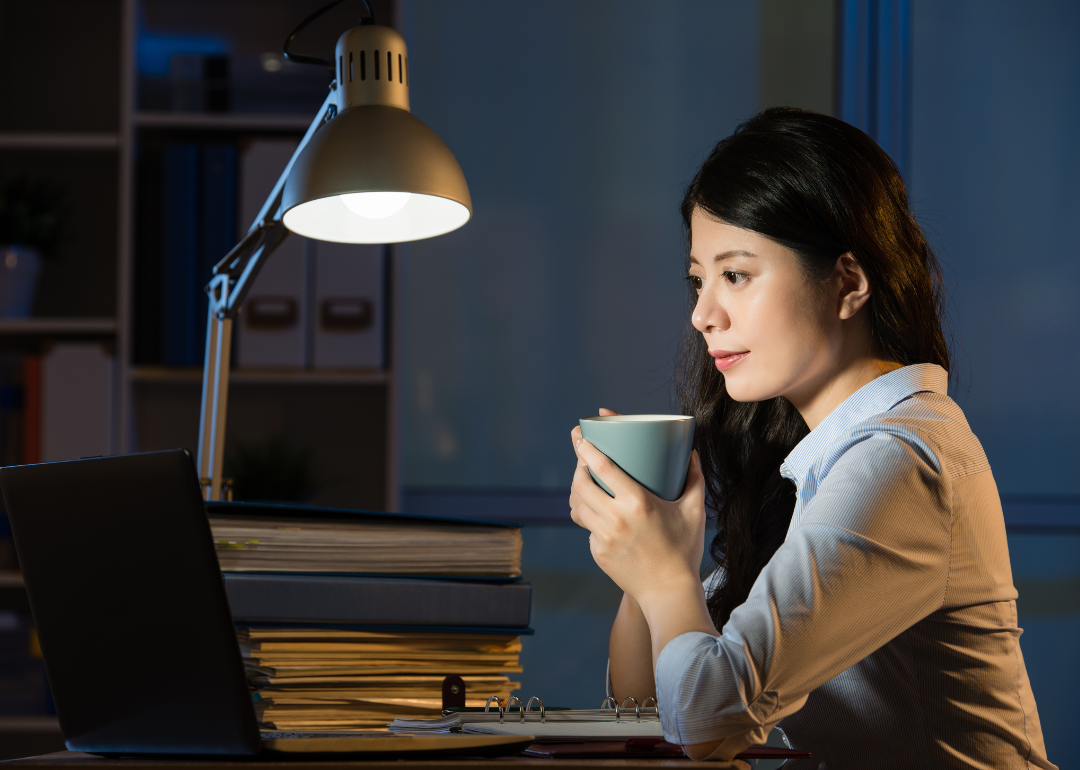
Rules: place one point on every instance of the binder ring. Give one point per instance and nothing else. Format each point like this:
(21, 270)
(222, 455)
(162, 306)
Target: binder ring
(604, 705)
(656, 705)
(637, 708)
(495, 698)
(528, 707)
(507, 709)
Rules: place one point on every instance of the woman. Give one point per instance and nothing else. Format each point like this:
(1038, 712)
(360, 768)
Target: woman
(864, 598)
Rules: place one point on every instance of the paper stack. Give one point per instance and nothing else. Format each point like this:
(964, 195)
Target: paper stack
(350, 619)
(319, 679)
(386, 546)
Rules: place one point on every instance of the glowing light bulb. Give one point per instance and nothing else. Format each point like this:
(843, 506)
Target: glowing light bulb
(376, 205)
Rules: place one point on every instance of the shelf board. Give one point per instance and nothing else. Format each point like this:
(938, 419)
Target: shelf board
(223, 121)
(44, 140)
(14, 327)
(29, 724)
(173, 375)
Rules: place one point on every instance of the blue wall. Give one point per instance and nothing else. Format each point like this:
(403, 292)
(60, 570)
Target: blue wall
(578, 126)
(995, 159)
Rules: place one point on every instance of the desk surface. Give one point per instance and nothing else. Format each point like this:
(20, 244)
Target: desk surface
(69, 759)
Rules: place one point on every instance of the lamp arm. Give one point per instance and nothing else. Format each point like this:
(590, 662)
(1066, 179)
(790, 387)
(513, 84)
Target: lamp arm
(232, 279)
(266, 233)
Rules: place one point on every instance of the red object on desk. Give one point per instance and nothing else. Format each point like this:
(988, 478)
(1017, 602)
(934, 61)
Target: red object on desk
(644, 748)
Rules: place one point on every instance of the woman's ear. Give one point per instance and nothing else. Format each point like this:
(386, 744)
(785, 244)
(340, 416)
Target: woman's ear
(854, 285)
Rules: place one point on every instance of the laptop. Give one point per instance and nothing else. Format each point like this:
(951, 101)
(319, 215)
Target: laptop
(134, 624)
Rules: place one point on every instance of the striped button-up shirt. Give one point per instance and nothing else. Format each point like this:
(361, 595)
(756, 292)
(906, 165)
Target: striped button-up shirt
(883, 632)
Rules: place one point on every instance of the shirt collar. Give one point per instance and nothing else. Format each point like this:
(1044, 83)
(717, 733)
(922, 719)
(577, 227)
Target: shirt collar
(877, 396)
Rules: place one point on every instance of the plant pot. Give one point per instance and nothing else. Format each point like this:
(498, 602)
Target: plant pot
(20, 267)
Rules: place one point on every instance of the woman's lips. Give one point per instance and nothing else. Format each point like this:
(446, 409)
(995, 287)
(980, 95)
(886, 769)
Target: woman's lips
(725, 359)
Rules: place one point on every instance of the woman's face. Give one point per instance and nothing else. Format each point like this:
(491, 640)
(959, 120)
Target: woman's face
(770, 330)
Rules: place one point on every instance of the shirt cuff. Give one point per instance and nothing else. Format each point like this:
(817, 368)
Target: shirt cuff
(701, 698)
(673, 694)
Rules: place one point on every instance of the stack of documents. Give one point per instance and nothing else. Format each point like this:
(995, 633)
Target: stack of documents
(349, 619)
(367, 544)
(325, 679)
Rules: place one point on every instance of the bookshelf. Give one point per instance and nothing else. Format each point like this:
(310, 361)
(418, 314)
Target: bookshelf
(91, 140)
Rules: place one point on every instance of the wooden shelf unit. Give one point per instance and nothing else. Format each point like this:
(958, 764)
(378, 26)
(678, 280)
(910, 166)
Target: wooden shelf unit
(110, 140)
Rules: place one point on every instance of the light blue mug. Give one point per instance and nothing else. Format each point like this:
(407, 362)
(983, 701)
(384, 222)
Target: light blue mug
(654, 449)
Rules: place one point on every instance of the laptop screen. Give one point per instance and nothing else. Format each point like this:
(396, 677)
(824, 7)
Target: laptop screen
(129, 605)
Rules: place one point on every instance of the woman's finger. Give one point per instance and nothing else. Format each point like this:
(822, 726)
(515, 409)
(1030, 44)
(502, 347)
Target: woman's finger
(589, 496)
(606, 470)
(695, 480)
(605, 412)
(582, 510)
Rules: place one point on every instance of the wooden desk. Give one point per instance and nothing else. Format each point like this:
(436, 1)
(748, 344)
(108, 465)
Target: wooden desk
(67, 760)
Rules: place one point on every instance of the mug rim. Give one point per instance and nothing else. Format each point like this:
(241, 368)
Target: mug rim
(639, 418)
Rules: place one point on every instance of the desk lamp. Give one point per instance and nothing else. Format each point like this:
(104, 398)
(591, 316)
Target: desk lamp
(366, 171)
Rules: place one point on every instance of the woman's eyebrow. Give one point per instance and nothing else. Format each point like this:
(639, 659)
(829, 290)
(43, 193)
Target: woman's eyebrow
(724, 255)
(733, 253)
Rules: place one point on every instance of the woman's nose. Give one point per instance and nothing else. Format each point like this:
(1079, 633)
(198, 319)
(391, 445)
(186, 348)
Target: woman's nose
(709, 315)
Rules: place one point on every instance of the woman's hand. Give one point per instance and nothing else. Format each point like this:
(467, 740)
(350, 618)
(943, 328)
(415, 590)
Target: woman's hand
(645, 544)
(651, 548)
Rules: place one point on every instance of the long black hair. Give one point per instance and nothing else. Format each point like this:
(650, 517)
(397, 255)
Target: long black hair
(821, 188)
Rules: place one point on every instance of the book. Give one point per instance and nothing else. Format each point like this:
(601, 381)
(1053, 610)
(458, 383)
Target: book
(348, 305)
(198, 228)
(585, 733)
(180, 251)
(271, 330)
(76, 401)
(330, 679)
(254, 537)
(217, 230)
(31, 423)
(561, 725)
(349, 599)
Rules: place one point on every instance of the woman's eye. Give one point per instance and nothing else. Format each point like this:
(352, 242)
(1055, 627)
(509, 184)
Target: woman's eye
(733, 278)
(695, 282)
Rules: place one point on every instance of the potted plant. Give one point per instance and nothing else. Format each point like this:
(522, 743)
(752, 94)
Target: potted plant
(33, 220)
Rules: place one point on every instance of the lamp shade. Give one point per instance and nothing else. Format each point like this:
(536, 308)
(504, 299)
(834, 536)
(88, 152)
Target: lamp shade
(374, 173)
(375, 149)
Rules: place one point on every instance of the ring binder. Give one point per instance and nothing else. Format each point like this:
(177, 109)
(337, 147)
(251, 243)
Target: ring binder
(528, 707)
(613, 721)
(504, 711)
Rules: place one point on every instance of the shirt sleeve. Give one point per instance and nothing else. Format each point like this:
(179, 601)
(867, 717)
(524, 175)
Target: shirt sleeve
(708, 583)
(868, 559)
